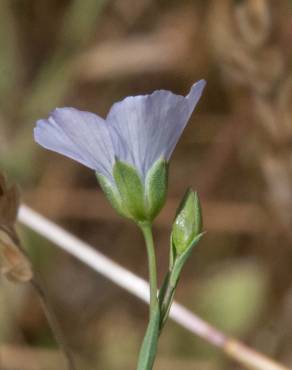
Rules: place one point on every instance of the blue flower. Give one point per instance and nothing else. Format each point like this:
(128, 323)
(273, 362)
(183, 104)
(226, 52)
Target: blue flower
(138, 131)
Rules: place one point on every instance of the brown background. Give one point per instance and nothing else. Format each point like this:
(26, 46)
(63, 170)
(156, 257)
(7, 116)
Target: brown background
(236, 152)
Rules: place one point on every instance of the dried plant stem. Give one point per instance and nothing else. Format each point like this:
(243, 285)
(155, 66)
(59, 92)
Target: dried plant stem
(53, 322)
(250, 358)
(137, 286)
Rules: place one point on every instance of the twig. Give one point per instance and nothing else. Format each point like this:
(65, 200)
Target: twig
(138, 287)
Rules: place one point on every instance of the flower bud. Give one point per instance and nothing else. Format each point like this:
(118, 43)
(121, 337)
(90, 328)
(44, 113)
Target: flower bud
(188, 222)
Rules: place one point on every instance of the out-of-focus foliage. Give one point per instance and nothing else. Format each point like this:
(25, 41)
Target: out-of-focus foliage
(236, 152)
(240, 290)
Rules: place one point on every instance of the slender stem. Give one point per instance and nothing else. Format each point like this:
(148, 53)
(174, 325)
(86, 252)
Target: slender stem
(54, 324)
(149, 345)
(147, 233)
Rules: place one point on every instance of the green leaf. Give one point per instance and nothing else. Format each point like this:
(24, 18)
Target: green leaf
(131, 190)
(163, 289)
(112, 194)
(149, 345)
(165, 298)
(181, 260)
(156, 187)
(188, 222)
(167, 291)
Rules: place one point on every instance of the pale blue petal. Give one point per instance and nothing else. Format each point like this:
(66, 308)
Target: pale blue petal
(79, 135)
(146, 127)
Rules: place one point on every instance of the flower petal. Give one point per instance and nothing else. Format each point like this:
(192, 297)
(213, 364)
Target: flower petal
(147, 127)
(79, 135)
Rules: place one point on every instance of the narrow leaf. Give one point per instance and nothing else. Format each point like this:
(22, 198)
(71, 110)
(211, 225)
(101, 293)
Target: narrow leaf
(181, 260)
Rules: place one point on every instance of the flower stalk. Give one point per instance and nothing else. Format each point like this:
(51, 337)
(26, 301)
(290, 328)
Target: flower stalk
(149, 346)
(148, 237)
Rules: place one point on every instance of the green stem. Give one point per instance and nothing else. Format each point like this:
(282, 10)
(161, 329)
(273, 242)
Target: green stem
(149, 346)
(147, 233)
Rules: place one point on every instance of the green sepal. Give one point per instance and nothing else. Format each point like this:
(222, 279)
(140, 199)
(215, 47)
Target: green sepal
(149, 345)
(187, 223)
(131, 190)
(181, 260)
(112, 194)
(156, 187)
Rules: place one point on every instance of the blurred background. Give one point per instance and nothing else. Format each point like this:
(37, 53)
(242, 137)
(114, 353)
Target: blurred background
(236, 152)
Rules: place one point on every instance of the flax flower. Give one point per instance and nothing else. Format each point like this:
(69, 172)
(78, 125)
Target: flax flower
(137, 132)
